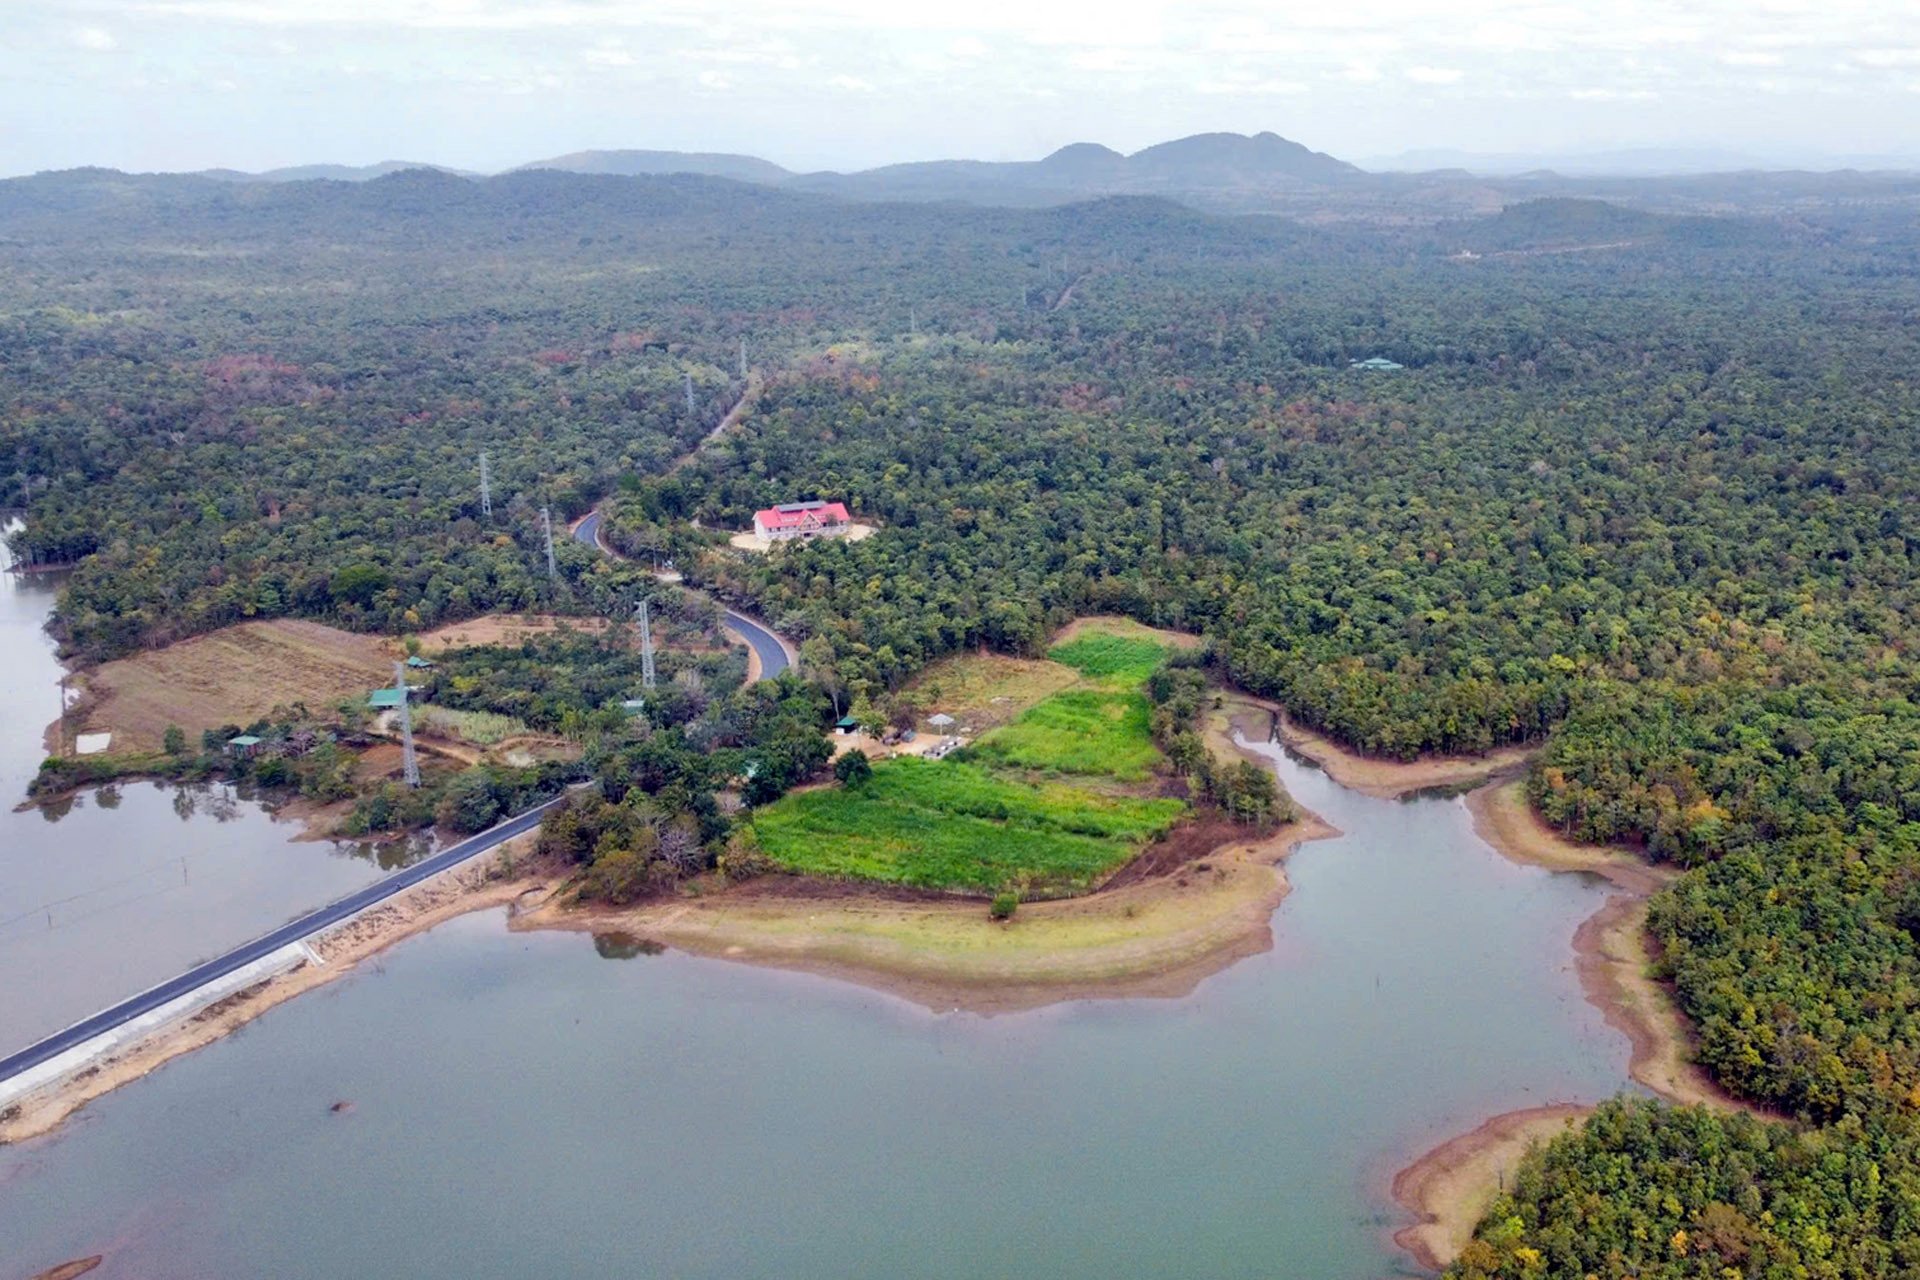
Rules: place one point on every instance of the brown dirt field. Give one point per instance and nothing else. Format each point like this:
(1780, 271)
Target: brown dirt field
(1450, 1187)
(502, 628)
(478, 885)
(232, 676)
(1156, 937)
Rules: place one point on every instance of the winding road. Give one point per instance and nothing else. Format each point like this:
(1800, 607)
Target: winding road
(774, 657)
(773, 653)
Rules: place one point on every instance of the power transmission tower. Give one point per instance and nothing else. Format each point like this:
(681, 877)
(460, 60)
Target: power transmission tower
(913, 322)
(546, 529)
(646, 646)
(688, 375)
(743, 359)
(409, 765)
(486, 487)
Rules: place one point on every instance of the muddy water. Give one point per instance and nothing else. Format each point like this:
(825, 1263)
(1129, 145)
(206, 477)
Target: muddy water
(533, 1105)
(128, 885)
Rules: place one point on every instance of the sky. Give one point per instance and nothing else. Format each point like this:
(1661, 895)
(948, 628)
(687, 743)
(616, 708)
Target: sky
(846, 84)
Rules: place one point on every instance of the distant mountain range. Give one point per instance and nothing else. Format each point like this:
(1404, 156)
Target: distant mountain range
(1240, 173)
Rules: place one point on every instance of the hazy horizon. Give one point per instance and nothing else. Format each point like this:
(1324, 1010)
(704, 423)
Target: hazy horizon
(851, 84)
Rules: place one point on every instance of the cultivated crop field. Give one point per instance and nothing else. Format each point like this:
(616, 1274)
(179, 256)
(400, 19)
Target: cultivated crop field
(1080, 731)
(1040, 804)
(949, 825)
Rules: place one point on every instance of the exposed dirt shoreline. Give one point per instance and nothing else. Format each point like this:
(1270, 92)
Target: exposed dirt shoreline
(485, 882)
(1449, 1188)
(1156, 935)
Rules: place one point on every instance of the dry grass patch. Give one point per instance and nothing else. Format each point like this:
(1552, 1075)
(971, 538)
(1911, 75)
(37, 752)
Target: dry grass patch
(235, 675)
(982, 689)
(503, 629)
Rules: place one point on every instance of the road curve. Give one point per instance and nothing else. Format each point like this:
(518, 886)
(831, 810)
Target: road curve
(774, 657)
(267, 943)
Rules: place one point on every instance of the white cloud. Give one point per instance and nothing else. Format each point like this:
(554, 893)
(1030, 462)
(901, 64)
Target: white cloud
(1361, 72)
(1612, 95)
(607, 55)
(968, 47)
(94, 39)
(716, 81)
(852, 84)
(1252, 88)
(1435, 75)
(1887, 57)
(1108, 59)
(1752, 58)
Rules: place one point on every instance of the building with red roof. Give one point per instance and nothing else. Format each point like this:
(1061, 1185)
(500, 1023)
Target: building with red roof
(792, 520)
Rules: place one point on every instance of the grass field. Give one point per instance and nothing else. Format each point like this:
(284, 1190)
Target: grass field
(1041, 803)
(949, 825)
(1083, 731)
(481, 728)
(1123, 661)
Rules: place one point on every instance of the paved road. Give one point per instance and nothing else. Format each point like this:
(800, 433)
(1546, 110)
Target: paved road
(773, 660)
(305, 926)
(773, 654)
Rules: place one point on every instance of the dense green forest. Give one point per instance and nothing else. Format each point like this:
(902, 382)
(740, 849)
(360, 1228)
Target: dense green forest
(1651, 508)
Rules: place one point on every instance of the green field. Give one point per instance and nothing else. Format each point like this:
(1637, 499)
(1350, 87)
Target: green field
(1121, 661)
(951, 825)
(1080, 731)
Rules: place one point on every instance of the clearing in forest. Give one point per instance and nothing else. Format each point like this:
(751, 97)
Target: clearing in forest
(1050, 803)
(235, 675)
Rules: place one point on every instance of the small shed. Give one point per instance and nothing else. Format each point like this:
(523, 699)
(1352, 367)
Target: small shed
(846, 725)
(419, 663)
(1377, 364)
(634, 706)
(245, 745)
(387, 698)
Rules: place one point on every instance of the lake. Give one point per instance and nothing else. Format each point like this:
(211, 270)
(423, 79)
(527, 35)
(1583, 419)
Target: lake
(122, 887)
(522, 1106)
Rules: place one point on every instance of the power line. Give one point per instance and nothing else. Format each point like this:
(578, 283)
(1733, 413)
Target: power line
(486, 487)
(646, 646)
(409, 763)
(546, 528)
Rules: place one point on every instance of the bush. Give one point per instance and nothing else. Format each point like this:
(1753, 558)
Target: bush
(853, 768)
(1004, 905)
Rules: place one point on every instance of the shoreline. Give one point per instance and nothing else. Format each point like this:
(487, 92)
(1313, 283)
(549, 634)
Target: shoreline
(1158, 936)
(1448, 1188)
(1381, 779)
(478, 885)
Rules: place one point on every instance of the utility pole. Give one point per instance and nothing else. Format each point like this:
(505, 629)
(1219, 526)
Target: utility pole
(546, 529)
(409, 764)
(646, 646)
(486, 487)
(688, 375)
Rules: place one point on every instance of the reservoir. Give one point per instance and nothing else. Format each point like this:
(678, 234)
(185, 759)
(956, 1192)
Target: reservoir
(125, 886)
(535, 1104)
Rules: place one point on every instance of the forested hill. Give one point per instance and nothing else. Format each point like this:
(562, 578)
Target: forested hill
(1643, 492)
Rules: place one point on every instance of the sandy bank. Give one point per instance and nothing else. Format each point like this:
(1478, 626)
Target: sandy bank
(485, 882)
(1387, 779)
(1452, 1185)
(1155, 936)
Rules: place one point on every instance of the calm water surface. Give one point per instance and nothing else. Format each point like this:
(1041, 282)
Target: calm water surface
(126, 885)
(524, 1107)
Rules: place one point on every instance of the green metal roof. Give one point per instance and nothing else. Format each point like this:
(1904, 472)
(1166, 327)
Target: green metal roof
(243, 740)
(386, 698)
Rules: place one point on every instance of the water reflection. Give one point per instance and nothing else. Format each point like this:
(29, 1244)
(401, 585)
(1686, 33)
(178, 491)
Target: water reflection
(619, 945)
